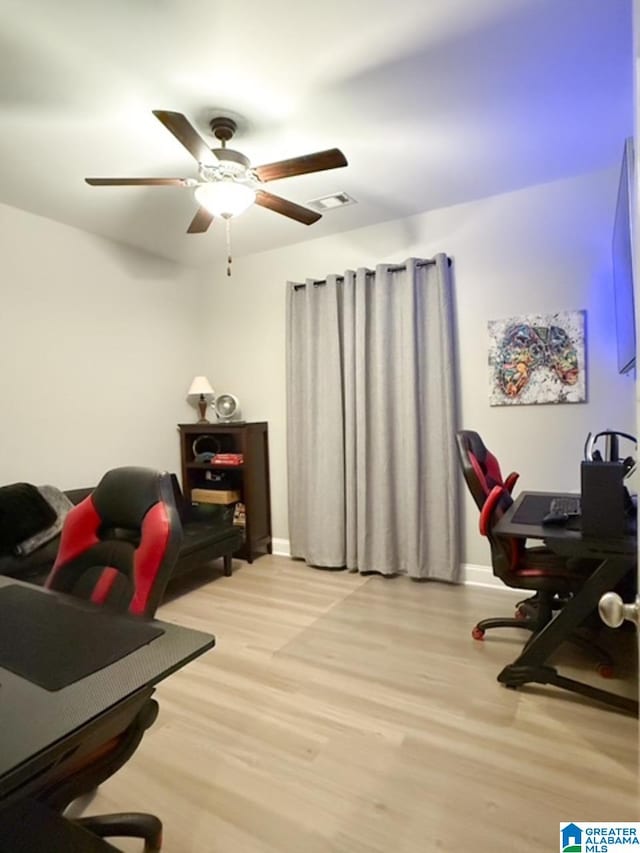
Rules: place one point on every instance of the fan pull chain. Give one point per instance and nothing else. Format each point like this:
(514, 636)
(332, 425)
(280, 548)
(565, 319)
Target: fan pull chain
(228, 232)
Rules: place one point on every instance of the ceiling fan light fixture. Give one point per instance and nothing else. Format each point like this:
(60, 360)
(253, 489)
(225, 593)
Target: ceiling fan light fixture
(225, 198)
(227, 183)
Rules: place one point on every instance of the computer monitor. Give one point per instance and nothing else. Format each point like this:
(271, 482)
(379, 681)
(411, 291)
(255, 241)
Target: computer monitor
(622, 255)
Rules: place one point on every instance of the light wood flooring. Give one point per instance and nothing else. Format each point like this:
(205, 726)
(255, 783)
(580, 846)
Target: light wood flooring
(356, 715)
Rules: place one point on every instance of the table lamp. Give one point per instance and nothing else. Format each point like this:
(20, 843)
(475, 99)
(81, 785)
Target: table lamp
(201, 388)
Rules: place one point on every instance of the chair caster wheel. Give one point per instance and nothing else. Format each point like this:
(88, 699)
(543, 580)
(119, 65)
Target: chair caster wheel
(477, 633)
(605, 670)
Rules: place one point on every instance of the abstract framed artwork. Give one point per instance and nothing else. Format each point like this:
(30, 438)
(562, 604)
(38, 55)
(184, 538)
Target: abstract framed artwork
(537, 358)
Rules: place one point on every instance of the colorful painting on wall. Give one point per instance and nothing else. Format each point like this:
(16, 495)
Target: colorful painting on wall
(537, 358)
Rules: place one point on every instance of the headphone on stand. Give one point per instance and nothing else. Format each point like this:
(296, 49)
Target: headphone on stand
(591, 454)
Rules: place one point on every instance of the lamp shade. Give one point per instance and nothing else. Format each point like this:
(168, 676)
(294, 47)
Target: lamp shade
(225, 198)
(201, 386)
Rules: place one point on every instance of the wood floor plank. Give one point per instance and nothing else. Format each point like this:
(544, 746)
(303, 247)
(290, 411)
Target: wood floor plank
(356, 715)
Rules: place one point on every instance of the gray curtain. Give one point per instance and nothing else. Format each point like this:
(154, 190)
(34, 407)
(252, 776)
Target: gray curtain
(372, 473)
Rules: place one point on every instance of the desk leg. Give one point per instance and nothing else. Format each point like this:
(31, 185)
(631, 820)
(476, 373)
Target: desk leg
(530, 665)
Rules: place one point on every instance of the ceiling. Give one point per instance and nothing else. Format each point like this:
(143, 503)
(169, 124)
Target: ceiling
(434, 102)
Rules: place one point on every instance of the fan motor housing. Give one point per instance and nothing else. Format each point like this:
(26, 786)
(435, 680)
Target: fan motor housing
(227, 408)
(223, 127)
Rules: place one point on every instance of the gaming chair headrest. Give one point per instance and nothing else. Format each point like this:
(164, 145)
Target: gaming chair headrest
(125, 495)
(472, 453)
(470, 442)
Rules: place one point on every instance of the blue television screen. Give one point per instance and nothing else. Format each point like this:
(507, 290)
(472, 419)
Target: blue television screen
(623, 266)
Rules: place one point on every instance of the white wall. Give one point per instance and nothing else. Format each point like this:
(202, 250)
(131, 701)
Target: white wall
(538, 250)
(98, 345)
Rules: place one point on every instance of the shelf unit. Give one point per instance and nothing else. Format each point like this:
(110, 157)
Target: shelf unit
(251, 478)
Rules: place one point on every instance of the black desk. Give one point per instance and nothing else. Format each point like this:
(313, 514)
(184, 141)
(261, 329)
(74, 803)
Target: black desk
(29, 827)
(613, 559)
(40, 729)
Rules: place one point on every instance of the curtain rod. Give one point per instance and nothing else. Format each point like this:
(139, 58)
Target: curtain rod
(392, 268)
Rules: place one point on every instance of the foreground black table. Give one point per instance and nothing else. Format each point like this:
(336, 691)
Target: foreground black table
(41, 729)
(29, 827)
(613, 560)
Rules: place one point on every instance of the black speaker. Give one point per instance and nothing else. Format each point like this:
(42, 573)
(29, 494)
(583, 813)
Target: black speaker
(602, 500)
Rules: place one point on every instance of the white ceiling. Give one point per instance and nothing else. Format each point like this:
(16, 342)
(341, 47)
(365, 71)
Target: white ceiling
(433, 102)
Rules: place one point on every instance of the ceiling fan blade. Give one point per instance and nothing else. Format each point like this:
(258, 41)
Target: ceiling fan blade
(184, 132)
(287, 208)
(138, 182)
(200, 222)
(333, 158)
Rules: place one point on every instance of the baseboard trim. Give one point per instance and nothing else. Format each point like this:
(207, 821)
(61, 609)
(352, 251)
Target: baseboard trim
(281, 547)
(472, 574)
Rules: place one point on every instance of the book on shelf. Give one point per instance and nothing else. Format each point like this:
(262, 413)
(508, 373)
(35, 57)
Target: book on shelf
(227, 459)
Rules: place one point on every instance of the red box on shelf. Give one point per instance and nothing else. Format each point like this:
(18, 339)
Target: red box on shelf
(227, 459)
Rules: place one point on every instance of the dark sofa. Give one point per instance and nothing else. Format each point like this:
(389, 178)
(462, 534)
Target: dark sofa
(208, 534)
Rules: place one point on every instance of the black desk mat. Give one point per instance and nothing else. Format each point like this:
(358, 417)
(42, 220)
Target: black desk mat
(49, 642)
(532, 509)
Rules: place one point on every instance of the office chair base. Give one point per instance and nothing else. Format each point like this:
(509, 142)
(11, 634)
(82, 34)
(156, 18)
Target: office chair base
(484, 625)
(127, 825)
(605, 666)
(528, 607)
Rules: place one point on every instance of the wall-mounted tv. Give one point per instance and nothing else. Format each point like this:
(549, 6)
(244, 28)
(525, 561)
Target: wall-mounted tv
(623, 263)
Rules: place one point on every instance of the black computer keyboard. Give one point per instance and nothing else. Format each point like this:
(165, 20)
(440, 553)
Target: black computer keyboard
(565, 506)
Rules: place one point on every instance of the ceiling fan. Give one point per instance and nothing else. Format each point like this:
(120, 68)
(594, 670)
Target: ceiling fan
(227, 183)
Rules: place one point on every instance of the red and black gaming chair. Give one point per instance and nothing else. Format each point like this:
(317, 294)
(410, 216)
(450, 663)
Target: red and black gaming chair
(480, 467)
(482, 473)
(551, 577)
(119, 545)
(117, 549)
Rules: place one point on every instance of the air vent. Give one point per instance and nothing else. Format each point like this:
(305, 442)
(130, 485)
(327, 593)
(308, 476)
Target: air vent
(328, 202)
